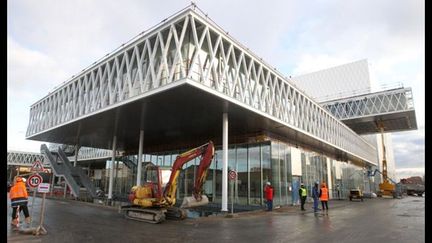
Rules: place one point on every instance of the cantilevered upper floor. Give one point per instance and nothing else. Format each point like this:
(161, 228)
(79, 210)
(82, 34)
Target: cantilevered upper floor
(392, 109)
(173, 82)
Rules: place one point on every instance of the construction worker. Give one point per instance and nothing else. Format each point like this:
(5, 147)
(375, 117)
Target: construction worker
(19, 198)
(303, 195)
(315, 196)
(269, 192)
(338, 191)
(324, 196)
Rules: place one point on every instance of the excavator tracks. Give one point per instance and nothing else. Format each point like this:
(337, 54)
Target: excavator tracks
(153, 216)
(176, 213)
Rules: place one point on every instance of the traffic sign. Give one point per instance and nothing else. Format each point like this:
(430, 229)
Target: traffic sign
(34, 180)
(44, 187)
(37, 166)
(232, 174)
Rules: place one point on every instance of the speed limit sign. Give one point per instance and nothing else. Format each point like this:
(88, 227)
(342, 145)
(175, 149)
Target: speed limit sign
(232, 174)
(35, 180)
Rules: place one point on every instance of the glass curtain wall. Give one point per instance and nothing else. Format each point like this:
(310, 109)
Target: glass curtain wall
(314, 168)
(276, 172)
(255, 191)
(242, 182)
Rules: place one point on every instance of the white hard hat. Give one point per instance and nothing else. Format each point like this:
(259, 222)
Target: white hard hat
(268, 183)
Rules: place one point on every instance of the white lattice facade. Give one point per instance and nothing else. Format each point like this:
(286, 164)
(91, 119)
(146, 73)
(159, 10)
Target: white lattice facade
(85, 153)
(24, 158)
(190, 47)
(373, 104)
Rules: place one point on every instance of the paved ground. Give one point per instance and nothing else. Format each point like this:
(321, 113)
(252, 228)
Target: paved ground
(374, 220)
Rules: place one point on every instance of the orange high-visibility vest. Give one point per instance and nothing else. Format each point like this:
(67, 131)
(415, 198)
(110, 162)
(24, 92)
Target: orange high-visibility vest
(18, 191)
(324, 194)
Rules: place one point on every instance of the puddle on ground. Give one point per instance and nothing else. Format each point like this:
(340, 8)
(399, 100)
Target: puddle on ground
(198, 214)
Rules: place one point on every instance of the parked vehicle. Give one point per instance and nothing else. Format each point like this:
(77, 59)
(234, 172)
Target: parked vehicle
(356, 194)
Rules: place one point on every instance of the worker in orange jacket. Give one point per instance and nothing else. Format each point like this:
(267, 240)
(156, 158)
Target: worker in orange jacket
(324, 196)
(19, 199)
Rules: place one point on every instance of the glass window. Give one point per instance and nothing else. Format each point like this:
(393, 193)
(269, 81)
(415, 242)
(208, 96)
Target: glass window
(275, 168)
(241, 190)
(255, 191)
(218, 177)
(189, 170)
(167, 160)
(266, 165)
(283, 174)
(289, 174)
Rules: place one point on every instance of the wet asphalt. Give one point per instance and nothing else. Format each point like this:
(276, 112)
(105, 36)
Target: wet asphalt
(374, 220)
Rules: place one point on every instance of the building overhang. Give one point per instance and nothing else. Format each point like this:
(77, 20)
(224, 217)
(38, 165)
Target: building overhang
(391, 122)
(180, 115)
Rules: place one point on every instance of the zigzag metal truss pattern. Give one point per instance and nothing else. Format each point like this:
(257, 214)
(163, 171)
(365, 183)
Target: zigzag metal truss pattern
(25, 158)
(189, 46)
(398, 100)
(84, 153)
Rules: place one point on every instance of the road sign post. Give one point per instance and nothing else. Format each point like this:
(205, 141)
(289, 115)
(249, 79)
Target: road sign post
(32, 207)
(42, 188)
(232, 176)
(33, 181)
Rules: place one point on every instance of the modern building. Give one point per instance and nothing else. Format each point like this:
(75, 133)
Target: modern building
(345, 81)
(185, 82)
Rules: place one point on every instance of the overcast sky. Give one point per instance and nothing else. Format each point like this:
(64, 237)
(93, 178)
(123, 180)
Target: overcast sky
(49, 41)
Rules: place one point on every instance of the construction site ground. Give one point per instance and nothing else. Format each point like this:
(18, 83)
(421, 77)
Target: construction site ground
(373, 220)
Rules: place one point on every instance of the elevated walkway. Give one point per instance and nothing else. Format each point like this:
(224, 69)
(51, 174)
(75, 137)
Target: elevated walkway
(74, 176)
(393, 108)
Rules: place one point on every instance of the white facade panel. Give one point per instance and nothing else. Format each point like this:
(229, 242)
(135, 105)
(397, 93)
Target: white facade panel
(335, 82)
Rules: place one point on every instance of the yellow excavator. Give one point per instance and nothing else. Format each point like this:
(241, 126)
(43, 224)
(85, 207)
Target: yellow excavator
(154, 201)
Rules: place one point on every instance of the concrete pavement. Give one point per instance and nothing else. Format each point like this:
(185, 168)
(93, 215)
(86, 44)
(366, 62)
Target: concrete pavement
(374, 220)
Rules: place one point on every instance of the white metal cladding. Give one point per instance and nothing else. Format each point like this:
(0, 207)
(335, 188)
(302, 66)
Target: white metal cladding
(336, 82)
(25, 158)
(388, 101)
(190, 46)
(87, 153)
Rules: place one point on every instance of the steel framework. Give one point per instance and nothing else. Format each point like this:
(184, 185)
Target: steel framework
(86, 153)
(389, 101)
(191, 47)
(25, 158)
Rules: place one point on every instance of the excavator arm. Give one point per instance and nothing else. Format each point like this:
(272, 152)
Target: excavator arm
(207, 152)
(202, 171)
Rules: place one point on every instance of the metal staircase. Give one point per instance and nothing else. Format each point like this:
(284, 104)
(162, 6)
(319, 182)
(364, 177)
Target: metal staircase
(130, 162)
(74, 176)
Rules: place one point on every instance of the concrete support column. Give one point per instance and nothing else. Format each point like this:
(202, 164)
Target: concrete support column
(52, 184)
(329, 177)
(140, 150)
(111, 175)
(76, 155)
(65, 187)
(224, 162)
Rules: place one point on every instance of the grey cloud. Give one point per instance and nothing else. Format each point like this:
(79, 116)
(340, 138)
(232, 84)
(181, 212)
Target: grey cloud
(409, 149)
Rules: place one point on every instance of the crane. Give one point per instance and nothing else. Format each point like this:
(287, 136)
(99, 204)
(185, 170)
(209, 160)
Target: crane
(153, 204)
(386, 188)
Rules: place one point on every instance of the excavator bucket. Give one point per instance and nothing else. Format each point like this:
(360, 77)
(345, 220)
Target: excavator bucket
(190, 202)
